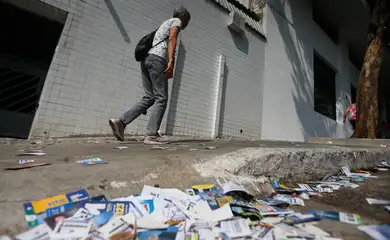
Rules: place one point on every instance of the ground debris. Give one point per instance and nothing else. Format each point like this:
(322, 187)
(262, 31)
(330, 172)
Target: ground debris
(224, 211)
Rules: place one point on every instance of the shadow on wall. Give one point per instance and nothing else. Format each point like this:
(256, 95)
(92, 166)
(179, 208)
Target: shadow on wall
(176, 85)
(240, 41)
(223, 100)
(313, 124)
(117, 20)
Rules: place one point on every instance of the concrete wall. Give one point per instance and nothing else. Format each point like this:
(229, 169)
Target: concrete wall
(94, 76)
(288, 94)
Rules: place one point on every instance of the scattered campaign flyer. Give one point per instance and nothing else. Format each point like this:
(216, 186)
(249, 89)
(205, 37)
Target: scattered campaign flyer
(41, 232)
(246, 212)
(117, 208)
(74, 205)
(119, 224)
(234, 187)
(91, 161)
(52, 221)
(262, 232)
(71, 229)
(266, 210)
(377, 201)
(166, 234)
(35, 210)
(377, 232)
(203, 188)
(286, 231)
(339, 216)
(297, 218)
(236, 228)
(346, 170)
(306, 187)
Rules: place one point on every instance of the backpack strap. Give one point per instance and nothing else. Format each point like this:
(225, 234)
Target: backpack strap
(161, 40)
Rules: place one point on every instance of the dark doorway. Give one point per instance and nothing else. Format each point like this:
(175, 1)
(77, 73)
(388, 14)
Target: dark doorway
(353, 93)
(27, 45)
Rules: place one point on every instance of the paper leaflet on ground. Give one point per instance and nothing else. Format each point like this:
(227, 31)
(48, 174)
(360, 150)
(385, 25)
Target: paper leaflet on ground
(203, 188)
(384, 163)
(198, 229)
(233, 187)
(377, 201)
(282, 231)
(204, 211)
(297, 218)
(117, 208)
(71, 229)
(377, 232)
(164, 234)
(246, 211)
(348, 173)
(262, 232)
(175, 204)
(339, 216)
(215, 199)
(41, 232)
(266, 210)
(289, 199)
(74, 205)
(91, 161)
(311, 228)
(236, 228)
(52, 221)
(119, 224)
(387, 208)
(306, 187)
(147, 202)
(35, 210)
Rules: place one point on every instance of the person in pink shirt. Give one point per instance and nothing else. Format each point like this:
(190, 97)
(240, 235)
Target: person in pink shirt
(351, 114)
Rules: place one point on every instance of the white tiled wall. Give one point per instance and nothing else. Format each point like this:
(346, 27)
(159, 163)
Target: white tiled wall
(288, 94)
(269, 84)
(94, 76)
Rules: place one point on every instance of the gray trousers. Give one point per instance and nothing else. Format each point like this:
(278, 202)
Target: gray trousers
(156, 92)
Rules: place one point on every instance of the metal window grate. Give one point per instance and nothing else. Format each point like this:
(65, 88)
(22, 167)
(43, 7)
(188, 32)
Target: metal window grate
(19, 92)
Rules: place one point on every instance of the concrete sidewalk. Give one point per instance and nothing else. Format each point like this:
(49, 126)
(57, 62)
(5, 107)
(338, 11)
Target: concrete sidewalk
(180, 164)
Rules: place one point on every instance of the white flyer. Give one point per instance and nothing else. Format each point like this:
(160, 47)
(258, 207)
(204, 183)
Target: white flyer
(82, 214)
(117, 225)
(348, 173)
(350, 218)
(377, 232)
(324, 189)
(41, 232)
(71, 228)
(236, 228)
(351, 185)
(387, 208)
(283, 231)
(260, 233)
(233, 187)
(310, 228)
(306, 187)
(384, 163)
(377, 201)
(297, 201)
(204, 212)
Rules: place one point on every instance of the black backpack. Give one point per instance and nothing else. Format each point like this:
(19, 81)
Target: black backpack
(144, 45)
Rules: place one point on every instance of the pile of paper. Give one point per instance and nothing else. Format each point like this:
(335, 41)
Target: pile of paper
(201, 212)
